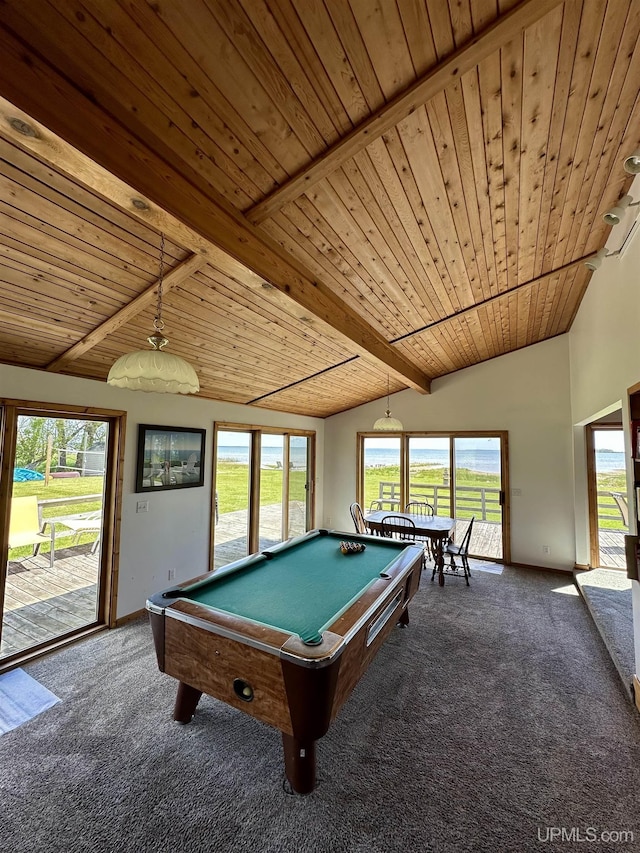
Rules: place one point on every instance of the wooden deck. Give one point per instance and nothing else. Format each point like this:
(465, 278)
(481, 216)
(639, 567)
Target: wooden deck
(612, 549)
(42, 603)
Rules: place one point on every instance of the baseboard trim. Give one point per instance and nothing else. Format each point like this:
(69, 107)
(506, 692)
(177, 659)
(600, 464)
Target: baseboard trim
(636, 691)
(542, 568)
(130, 617)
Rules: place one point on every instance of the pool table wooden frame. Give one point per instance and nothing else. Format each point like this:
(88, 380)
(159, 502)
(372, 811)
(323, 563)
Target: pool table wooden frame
(295, 687)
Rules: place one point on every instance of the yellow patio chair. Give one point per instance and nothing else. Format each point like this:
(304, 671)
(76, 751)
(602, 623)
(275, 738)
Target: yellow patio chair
(25, 527)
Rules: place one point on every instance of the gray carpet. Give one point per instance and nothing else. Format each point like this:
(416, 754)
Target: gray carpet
(495, 716)
(607, 594)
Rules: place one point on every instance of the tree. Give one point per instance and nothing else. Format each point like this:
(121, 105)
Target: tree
(72, 437)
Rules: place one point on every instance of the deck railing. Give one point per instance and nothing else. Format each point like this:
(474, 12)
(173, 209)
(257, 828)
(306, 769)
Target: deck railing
(480, 501)
(77, 499)
(48, 509)
(609, 512)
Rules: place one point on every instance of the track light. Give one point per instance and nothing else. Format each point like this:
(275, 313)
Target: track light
(595, 261)
(632, 163)
(616, 214)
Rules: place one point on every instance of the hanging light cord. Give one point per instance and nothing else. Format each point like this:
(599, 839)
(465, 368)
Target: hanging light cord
(158, 340)
(158, 323)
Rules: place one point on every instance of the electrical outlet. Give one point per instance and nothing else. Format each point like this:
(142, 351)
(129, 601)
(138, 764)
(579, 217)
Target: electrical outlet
(142, 506)
(516, 493)
(172, 574)
(546, 549)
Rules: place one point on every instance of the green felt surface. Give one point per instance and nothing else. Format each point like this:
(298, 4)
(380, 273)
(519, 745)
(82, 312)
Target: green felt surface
(302, 589)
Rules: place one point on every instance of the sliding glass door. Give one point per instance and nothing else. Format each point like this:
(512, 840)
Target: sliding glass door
(263, 488)
(58, 481)
(271, 527)
(462, 476)
(300, 486)
(477, 486)
(232, 495)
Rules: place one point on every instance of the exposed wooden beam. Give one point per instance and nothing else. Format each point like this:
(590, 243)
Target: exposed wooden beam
(487, 42)
(177, 275)
(49, 98)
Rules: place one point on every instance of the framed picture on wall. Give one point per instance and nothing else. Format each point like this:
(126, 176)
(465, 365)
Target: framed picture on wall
(169, 458)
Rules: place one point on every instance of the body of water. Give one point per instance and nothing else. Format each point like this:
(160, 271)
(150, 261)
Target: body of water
(609, 460)
(485, 461)
(270, 456)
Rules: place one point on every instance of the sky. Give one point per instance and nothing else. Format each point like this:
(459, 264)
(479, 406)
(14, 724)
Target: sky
(243, 439)
(604, 440)
(609, 439)
(436, 443)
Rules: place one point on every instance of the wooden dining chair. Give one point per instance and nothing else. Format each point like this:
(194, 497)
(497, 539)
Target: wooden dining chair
(419, 508)
(452, 551)
(426, 510)
(398, 527)
(358, 517)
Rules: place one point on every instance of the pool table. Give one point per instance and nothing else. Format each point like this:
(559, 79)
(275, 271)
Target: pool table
(286, 634)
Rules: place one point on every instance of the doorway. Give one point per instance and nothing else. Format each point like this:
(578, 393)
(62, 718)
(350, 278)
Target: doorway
(263, 484)
(58, 502)
(607, 490)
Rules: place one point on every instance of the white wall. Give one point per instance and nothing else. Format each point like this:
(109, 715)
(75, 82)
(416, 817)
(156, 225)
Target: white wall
(605, 362)
(527, 393)
(175, 531)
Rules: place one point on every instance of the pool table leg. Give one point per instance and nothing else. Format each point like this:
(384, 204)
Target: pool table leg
(300, 763)
(186, 702)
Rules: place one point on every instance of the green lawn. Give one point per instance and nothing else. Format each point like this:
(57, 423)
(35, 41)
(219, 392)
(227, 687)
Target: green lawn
(232, 480)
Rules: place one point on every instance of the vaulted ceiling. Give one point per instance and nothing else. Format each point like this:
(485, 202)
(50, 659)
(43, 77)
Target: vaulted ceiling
(351, 191)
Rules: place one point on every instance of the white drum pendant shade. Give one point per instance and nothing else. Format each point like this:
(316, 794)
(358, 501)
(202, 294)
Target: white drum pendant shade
(154, 370)
(388, 424)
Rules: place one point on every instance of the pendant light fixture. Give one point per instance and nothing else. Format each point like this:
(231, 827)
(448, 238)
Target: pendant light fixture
(387, 423)
(153, 369)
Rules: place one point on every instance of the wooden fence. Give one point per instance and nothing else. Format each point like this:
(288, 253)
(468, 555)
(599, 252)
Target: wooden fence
(480, 501)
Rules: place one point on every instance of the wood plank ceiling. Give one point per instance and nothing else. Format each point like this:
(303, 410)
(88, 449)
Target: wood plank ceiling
(350, 190)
